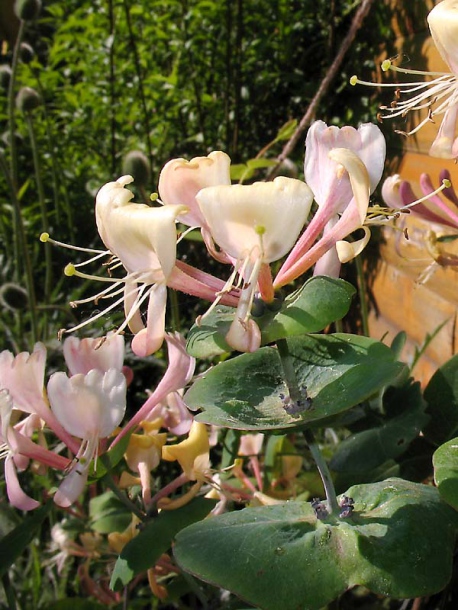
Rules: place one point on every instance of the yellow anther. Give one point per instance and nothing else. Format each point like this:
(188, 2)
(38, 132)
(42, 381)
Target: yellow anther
(69, 270)
(386, 65)
(353, 80)
(44, 237)
(446, 183)
(260, 229)
(154, 196)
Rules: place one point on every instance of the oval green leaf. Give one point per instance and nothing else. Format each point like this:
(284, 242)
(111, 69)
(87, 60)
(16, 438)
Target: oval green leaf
(336, 372)
(282, 557)
(445, 462)
(318, 303)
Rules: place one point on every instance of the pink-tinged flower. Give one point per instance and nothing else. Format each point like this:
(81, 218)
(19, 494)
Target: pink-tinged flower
(143, 240)
(254, 225)
(89, 407)
(331, 184)
(181, 180)
(82, 355)
(438, 95)
(339, 214)
(178, 374)
(18, 449)
(399, 194)
(23, 377)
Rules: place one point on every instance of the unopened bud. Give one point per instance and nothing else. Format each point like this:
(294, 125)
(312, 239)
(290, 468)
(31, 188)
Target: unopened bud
(26, 53)
(5, 76)
(27, 10)
(136, 164)
(27, 99)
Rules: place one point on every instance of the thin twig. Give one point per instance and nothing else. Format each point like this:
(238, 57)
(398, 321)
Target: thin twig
(357, 22)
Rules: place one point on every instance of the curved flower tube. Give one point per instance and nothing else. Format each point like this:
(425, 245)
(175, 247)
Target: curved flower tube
(178, 374)
(331, 184)
(23, 377)
(89, 407)
(352, 218)
(254, 225)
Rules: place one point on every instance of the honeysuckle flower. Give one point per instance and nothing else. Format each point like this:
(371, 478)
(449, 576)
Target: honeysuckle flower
(398, 193)
(144, 453)
(89, 407)
(178, 374)
(352, 218)
(180, 181)
(192, 454)
(143, 240)
(82, 355)
(17, 450)
(438, 95)
(23, 377)
(255, 225)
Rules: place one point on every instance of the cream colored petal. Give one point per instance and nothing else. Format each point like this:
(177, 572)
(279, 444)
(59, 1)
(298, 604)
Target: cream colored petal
(443, 23)
(88, 406)
(346, 251)
(142, 237)
(237, 214)
(149, 339)
(181, 180)
(359, 177)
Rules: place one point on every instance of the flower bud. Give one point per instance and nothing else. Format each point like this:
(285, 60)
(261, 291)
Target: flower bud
(27, 10)
(136, 164)
(27, 99)
(26, 53)
(5, 76)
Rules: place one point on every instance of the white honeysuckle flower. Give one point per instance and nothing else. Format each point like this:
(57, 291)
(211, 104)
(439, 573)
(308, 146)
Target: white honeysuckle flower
(180, 181)
(82, 355)
(143, 239)
(255, 225)
(89, 407)
(439, 94)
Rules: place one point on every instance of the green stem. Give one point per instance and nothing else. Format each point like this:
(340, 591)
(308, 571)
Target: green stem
(108, 479)
(13, 174)
(325, 474)
(43, 206)
(362, 293)
(21, 238)
(9, 592)
(296, 396)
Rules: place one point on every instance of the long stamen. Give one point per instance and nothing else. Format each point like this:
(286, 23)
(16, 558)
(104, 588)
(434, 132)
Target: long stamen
(445, 184)
(45, 238)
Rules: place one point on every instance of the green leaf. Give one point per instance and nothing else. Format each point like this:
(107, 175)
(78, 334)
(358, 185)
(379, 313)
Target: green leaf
(445, 462)
(283, 557)
(286, 131)
(441, 394)
(108, 514)
(371, 448)
(320, 301)
(339, 371)
(142, 552)
(16, 541)
(107, 461)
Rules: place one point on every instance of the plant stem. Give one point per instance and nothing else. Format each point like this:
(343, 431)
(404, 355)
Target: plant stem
(43, 206)
(296, 396)
(108, 479)
(362, 293)
(325, 474)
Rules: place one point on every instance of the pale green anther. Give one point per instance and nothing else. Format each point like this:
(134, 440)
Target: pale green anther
(69, 270)
(386, 65)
